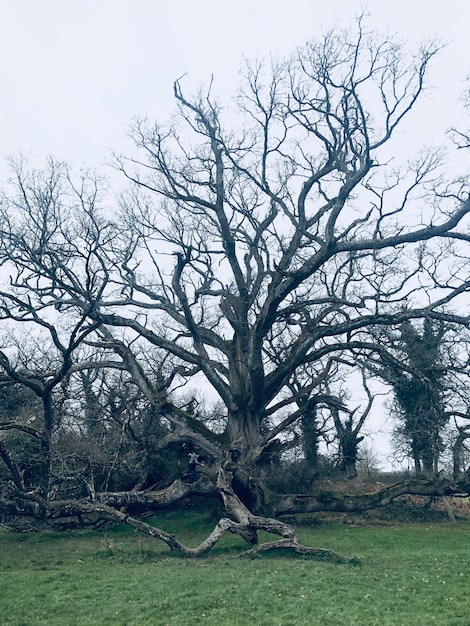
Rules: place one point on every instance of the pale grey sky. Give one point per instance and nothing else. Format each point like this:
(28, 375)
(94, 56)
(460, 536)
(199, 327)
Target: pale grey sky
(74, 73)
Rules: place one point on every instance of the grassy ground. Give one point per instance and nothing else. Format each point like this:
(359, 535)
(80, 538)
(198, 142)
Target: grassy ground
(408, 575)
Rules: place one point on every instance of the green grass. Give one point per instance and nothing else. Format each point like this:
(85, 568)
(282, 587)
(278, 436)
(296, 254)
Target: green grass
(409, 575)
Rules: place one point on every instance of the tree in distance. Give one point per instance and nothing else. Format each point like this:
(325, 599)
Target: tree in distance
(419, 390)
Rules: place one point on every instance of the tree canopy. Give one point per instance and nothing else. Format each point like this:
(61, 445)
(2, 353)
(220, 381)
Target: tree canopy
(252, 258)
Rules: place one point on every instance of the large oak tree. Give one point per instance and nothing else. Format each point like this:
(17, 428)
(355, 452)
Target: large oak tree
(255, 246)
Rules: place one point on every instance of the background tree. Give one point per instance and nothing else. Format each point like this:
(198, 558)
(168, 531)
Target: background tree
(421, 363)
(20, 447)
(416, 373)
(42, 373)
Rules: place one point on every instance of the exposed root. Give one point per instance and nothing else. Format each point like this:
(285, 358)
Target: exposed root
(298, 548)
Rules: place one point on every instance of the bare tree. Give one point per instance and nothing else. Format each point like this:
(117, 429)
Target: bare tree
(256, 247)
(44, 372)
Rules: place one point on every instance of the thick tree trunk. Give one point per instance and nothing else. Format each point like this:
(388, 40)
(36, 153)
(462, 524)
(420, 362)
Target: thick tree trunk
(350, 468)
(458, 453)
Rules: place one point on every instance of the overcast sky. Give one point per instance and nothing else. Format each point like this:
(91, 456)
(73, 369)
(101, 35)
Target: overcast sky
(75, 73)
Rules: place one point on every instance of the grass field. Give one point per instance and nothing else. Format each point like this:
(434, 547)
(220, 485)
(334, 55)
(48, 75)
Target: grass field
(408, 575)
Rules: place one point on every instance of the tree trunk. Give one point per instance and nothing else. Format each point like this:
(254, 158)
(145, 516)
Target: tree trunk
(46, 448)
(457, 453)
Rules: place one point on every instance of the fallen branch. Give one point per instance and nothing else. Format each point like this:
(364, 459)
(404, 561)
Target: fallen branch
(298, 548)
(329, 501)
